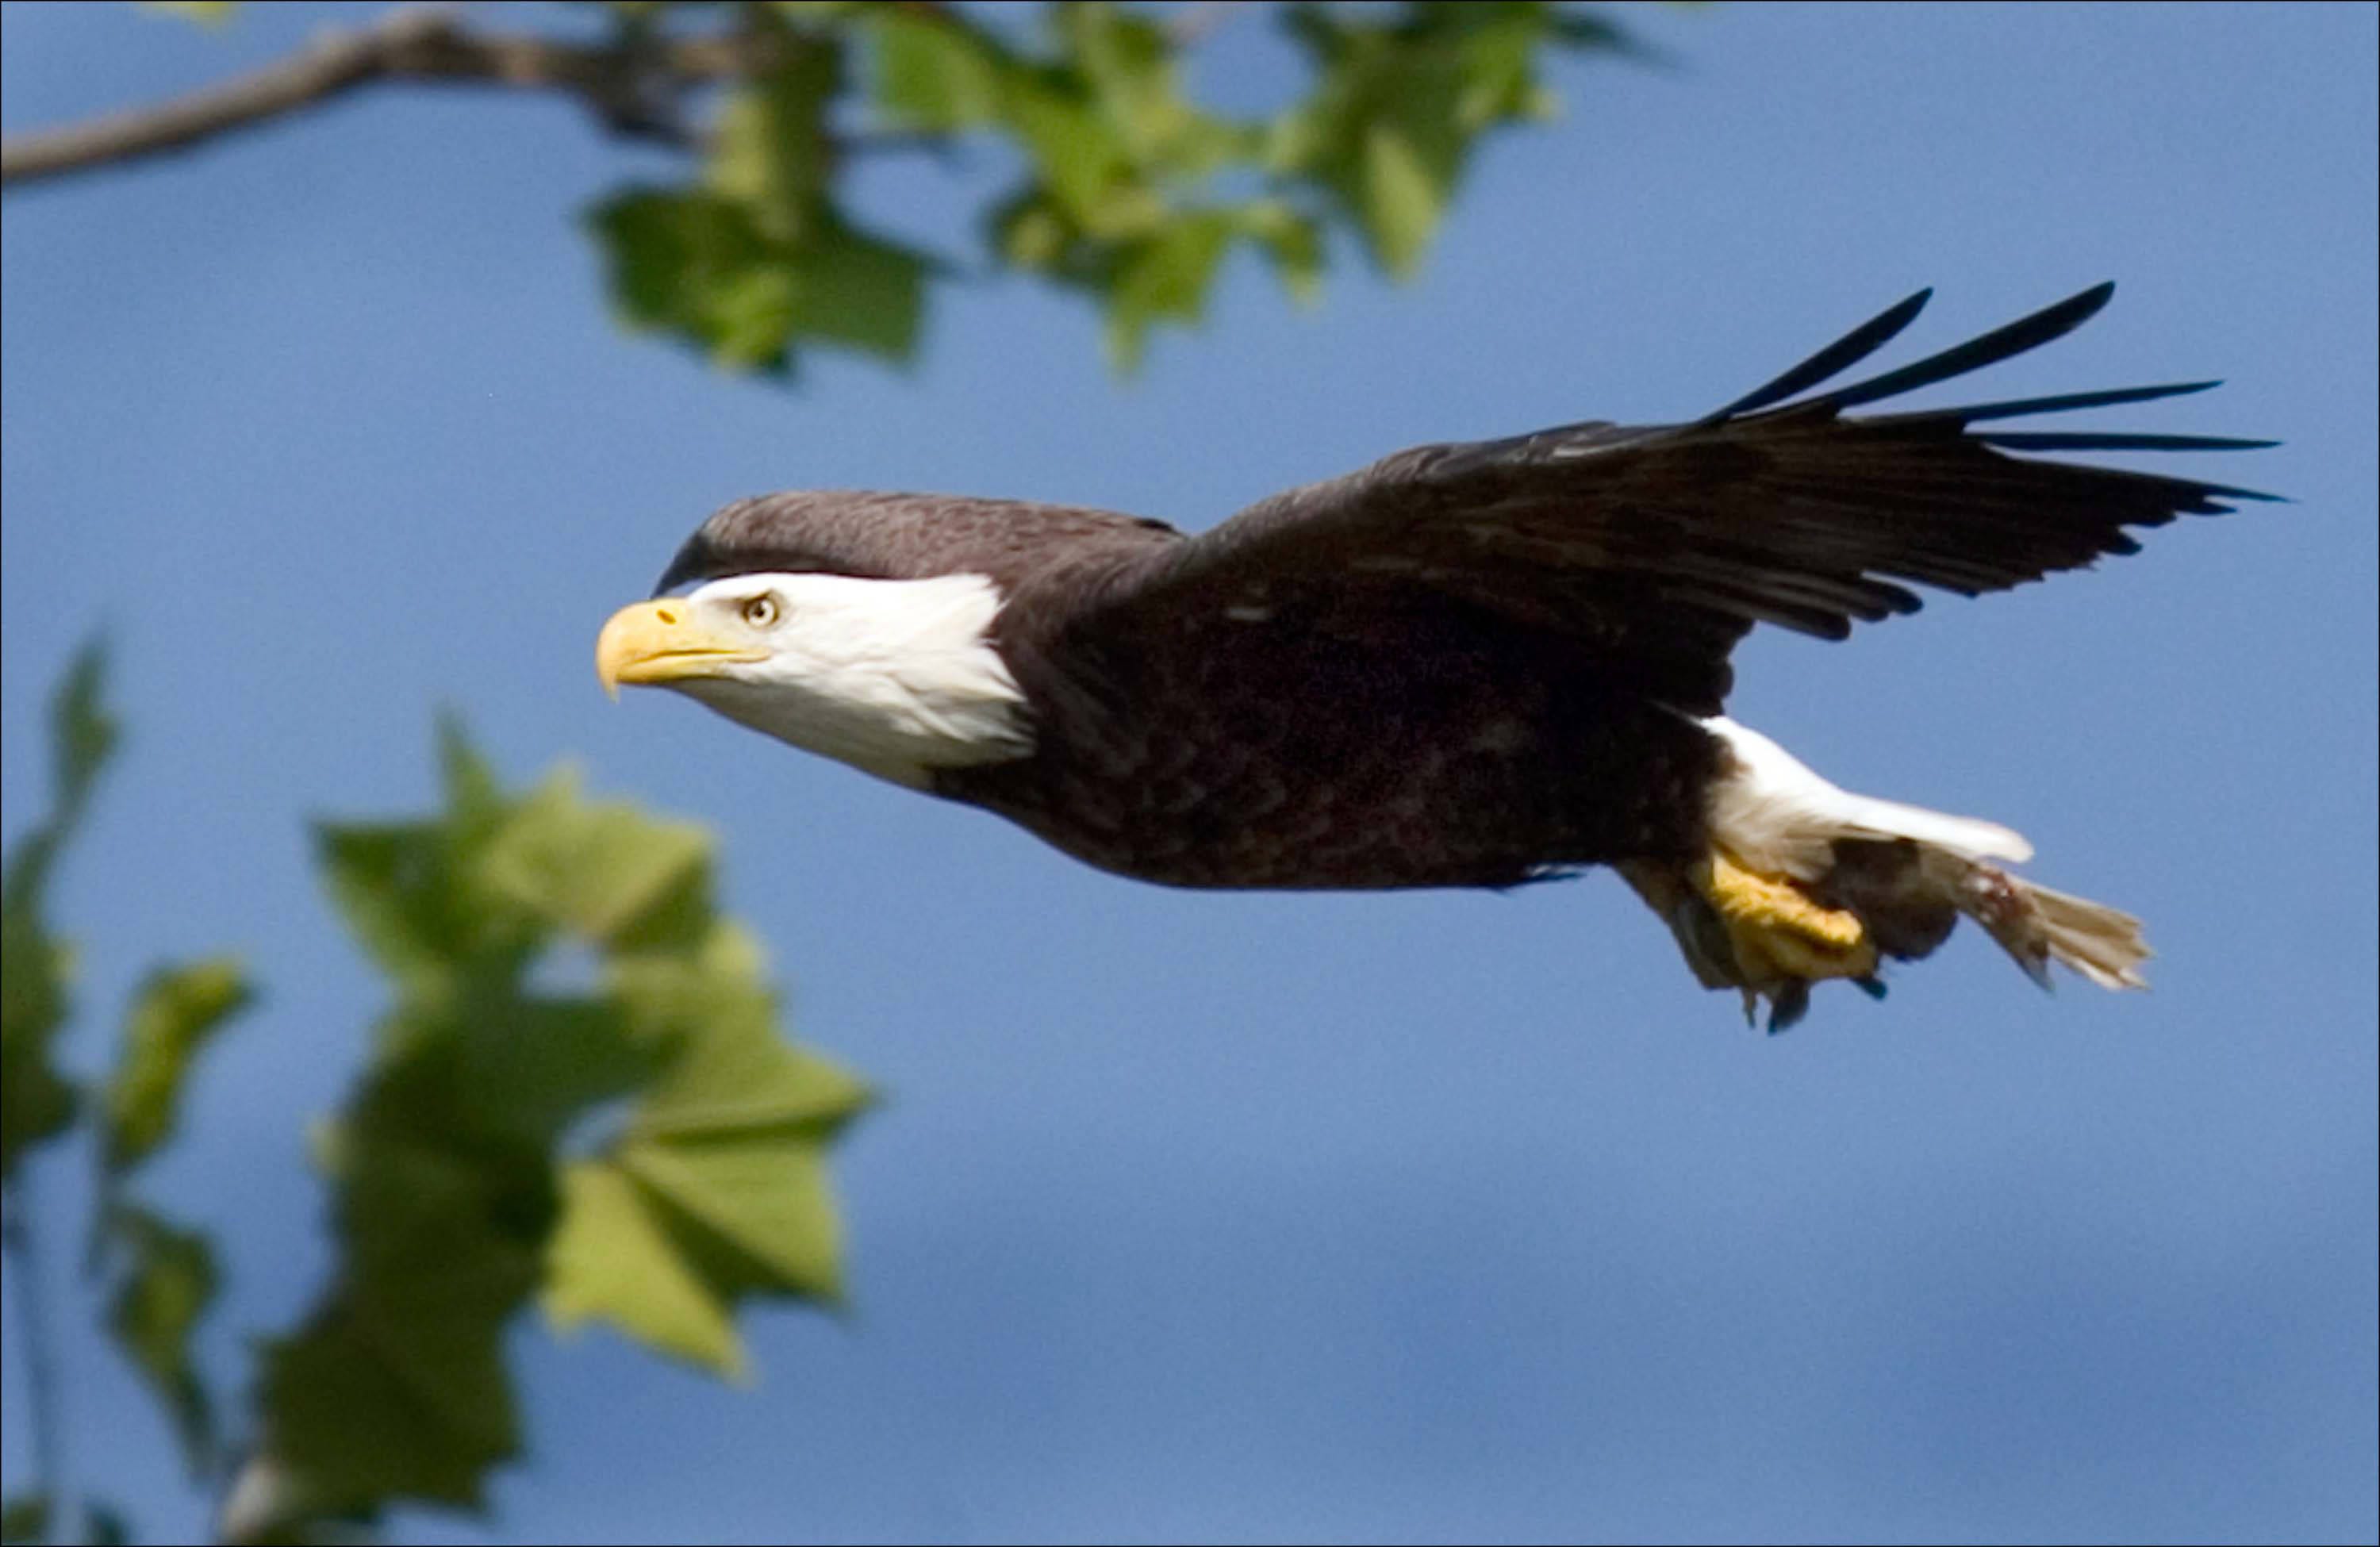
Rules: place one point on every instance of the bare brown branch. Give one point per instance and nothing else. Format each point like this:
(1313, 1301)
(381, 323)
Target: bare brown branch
(1193, 24)
(633, 90)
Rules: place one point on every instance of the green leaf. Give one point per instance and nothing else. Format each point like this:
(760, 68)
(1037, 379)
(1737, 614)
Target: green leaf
(1028, 231)
(81, 738)
(717, 1189)
(1128, 65)
(1399, 104)
(395, 1387)
(443, 1201)
(106, 1525)
(935, 71)
(37, 1103)
(701, 266)
(860, 291)
(1402, 196)
(165, 1288)
(1293, 241)
(362, 1408)
(25, 1517)
(175, 1013)
(83, 733)
(617, 1258)
(697, 264)
(1079, 159)
(760, 261)
(705, 974)
(734, 1077)
(206, 13)
(761, 1196)
(1587, 33)
(770, 150)
(413, 898)
(460, 1191)
(1166, 279)
(420, 897)
(596, 869)
(531, 1068)
(474, 802)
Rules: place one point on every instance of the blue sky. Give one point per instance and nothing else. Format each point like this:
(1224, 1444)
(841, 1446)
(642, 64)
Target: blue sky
(1425, 1217)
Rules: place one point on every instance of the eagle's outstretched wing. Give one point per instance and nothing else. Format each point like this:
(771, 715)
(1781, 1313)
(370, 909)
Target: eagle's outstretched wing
(1663, 545)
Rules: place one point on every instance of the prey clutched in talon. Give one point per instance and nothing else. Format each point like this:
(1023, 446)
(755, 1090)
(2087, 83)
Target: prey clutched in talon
(1775, 940)
(1765, 936)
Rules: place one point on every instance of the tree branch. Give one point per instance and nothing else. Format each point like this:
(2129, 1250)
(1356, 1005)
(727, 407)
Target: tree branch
(634, 89)
(1191, 24)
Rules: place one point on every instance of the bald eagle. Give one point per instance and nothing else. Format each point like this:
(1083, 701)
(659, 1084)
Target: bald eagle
(1468, 665)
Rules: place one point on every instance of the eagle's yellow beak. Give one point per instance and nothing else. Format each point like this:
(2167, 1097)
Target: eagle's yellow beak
(660, 641)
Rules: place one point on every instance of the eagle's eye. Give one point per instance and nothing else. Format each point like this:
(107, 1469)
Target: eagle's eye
(760, 612)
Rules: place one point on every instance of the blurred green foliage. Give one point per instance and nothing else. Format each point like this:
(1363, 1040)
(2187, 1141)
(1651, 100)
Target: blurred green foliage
(158, 1277)
(36, 1102)
(1126, 189)
(646, 1151)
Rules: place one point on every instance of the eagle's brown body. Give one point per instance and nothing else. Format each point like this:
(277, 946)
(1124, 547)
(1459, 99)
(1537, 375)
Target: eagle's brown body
(1357, 740)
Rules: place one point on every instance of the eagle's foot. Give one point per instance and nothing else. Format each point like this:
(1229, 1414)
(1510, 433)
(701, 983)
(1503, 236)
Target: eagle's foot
(1781, 939)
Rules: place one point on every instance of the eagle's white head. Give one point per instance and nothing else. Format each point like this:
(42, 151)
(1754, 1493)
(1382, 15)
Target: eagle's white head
(895, 677)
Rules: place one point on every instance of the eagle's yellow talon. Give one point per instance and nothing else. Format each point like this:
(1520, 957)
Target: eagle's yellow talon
(1776, 931)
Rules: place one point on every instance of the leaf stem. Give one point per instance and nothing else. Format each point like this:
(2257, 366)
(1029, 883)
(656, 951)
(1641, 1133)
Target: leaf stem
(64, 1521)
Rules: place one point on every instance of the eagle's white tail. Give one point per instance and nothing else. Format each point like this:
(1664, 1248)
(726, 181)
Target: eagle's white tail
(1782, 818)
(1808, 880)
(2101, 943)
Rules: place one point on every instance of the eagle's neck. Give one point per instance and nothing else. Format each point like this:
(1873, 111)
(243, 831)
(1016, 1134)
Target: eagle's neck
(895, 677)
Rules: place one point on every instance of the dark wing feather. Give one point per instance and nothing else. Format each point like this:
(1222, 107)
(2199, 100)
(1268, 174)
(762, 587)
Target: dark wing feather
(1659, 547)
(2025, 333)
(1830, 361)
